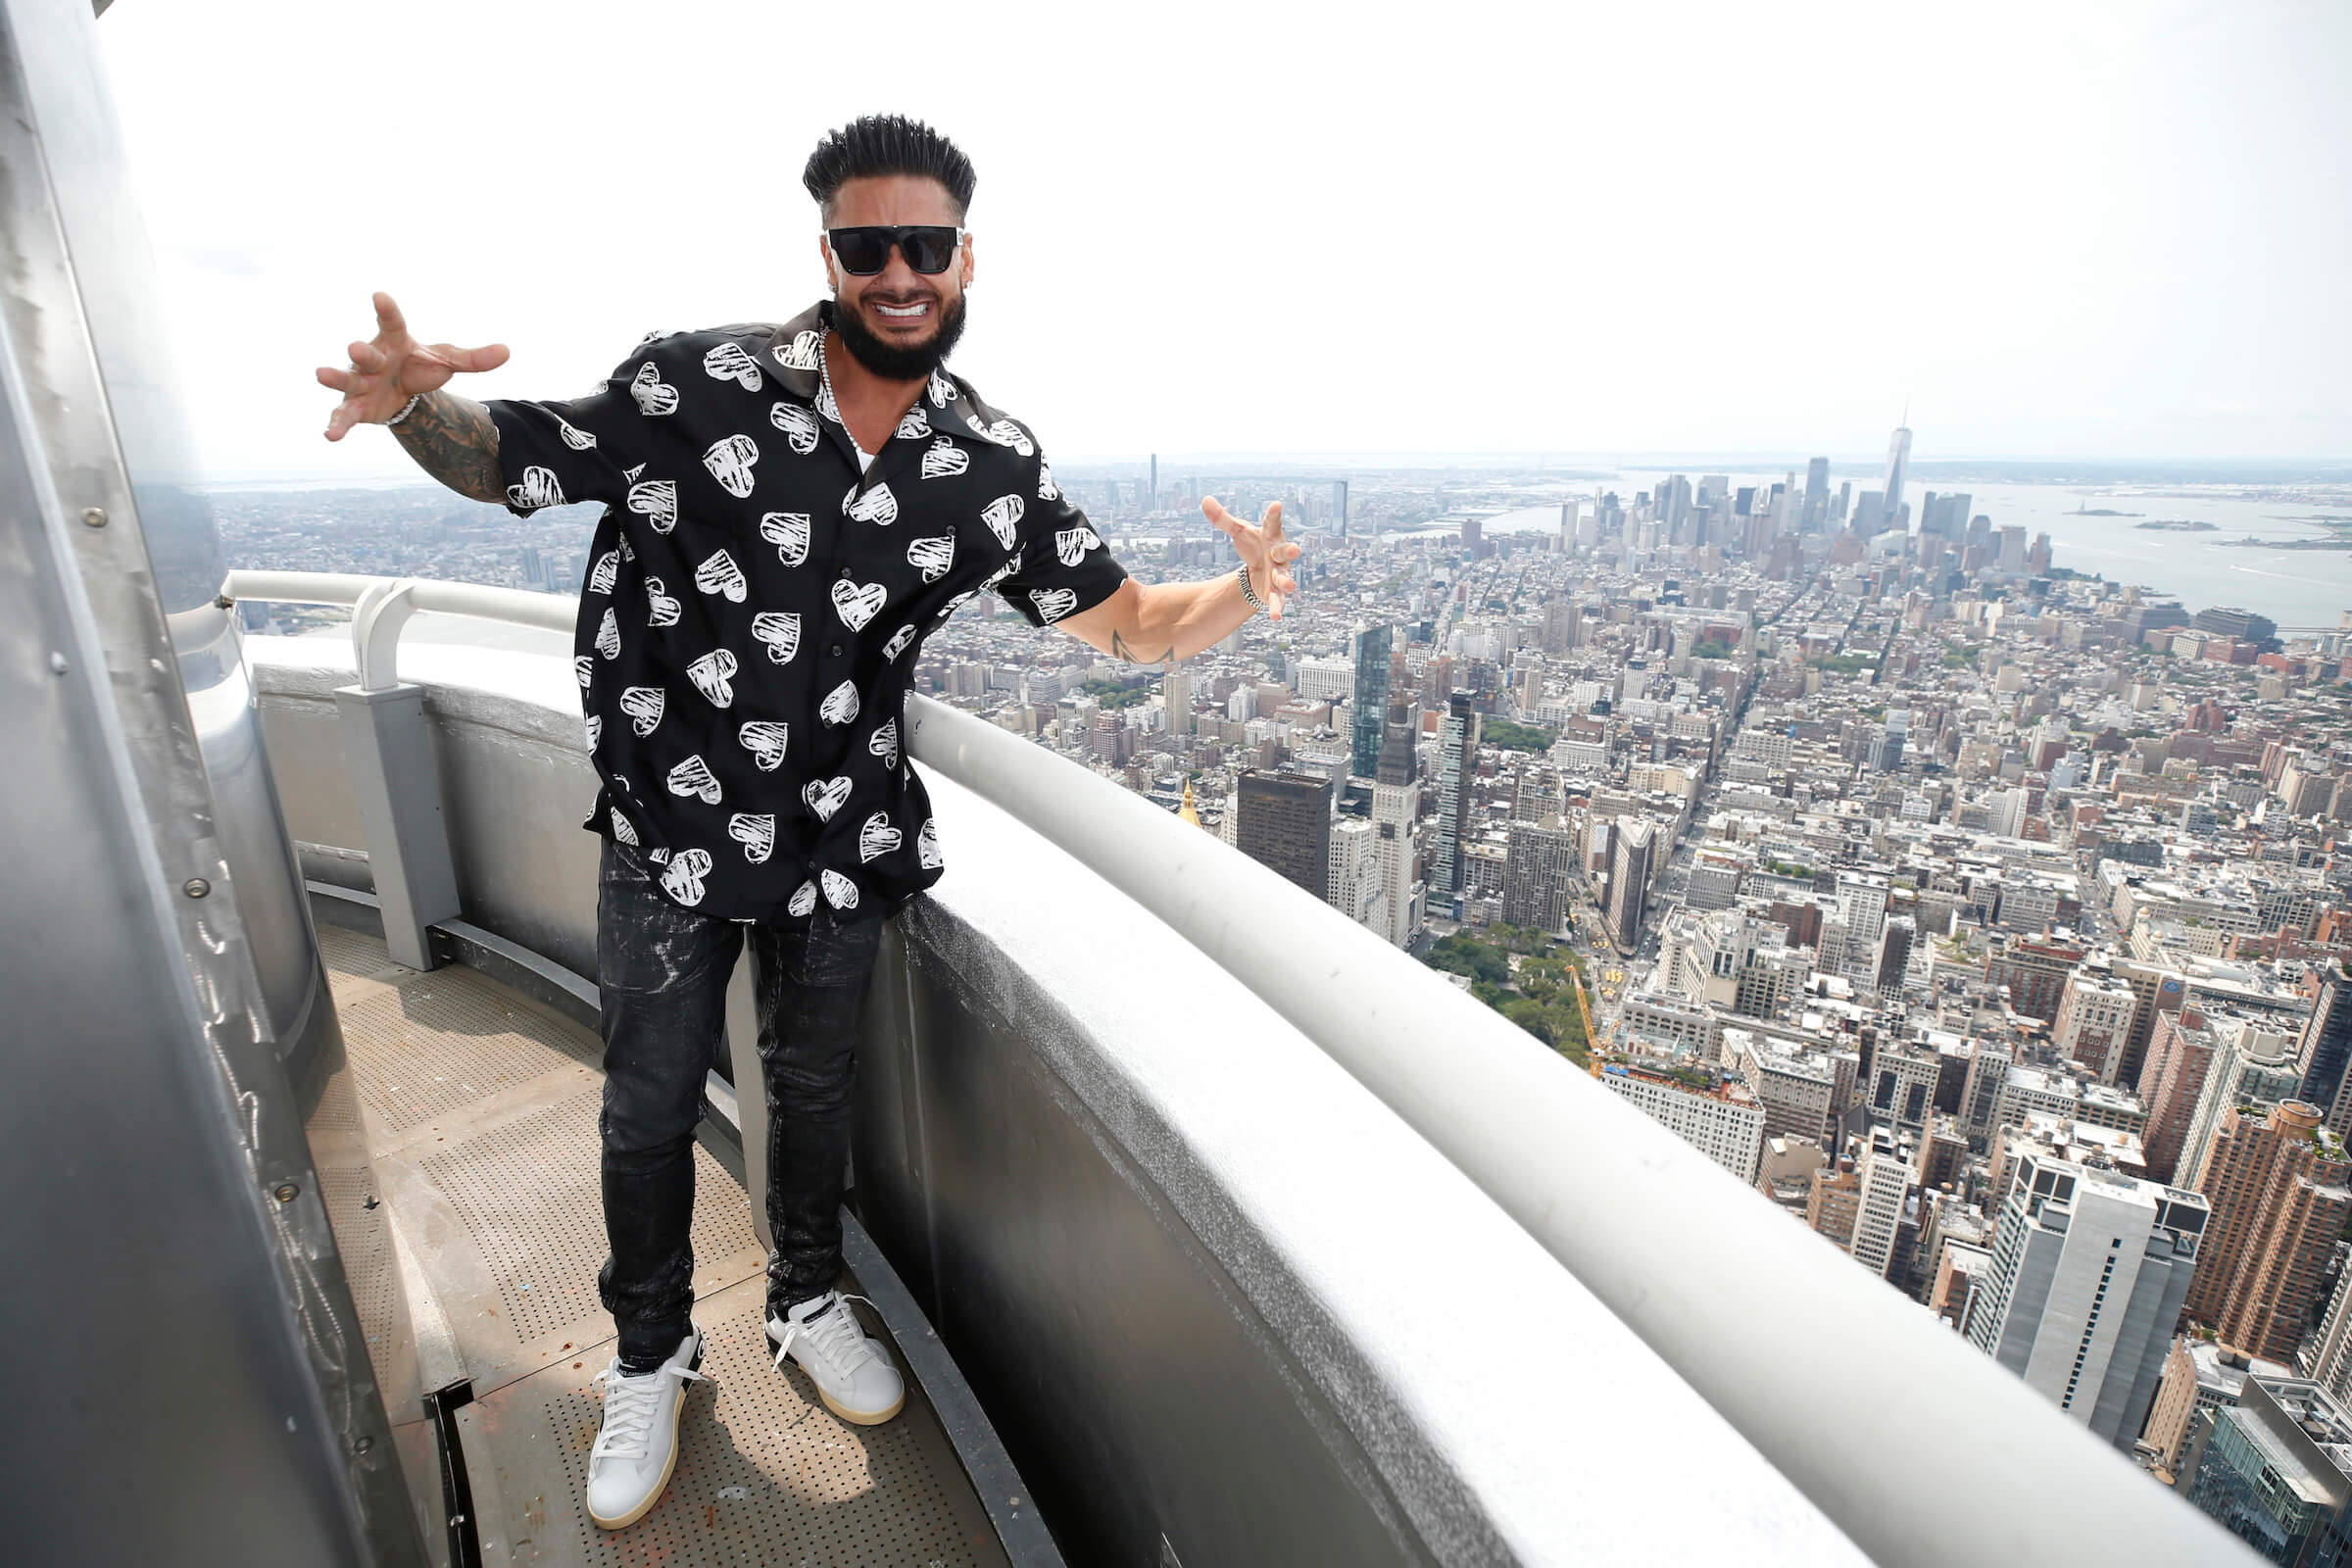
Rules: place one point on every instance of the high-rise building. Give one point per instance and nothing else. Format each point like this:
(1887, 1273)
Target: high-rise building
(1899, 463)
(1176, 696)
(1373, 651)
(1635, 844)
(1817, 494)
(2170, 1083)
(2277, 1190)
(1558, 637)
(1151, 499)
(1725, 1124)
(1886, 1181)
(2035, 972)
(2276, 1469)
(2094, 1019)
(1458, 767)
(1534, 885)
(2326, 1047)
(2089, 1267)
(1395, 815)
(1286, 824)
(1474, 541)
(1338, 506)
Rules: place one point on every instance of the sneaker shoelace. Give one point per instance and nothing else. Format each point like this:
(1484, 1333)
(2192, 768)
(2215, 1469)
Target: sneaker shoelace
(835, 1334)
(630, 1406)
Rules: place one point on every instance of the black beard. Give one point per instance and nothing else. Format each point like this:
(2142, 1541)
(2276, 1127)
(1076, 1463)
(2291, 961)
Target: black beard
(890, 361)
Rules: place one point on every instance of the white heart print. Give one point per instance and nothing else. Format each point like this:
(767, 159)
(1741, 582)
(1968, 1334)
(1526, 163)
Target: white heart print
(933, 554)
(644, 705)
(711, 674)
(876, 837)
(608, 570)
(826, 405)
(656, 501)
(1070, 545)
(608, 635)
(916, 426)
(825, 795)
(840, 891)
(1003, 519)
(884, 742)
(926, 845)
(729, 363)
(858, 603)
(654, 395)
(944, 460)
(756, 833)
(621, 828)
(840, 704)
(803, 899)
(898, 642)
(683, 880)
(788, 531)
(538, 489)
(721, 575)
(876, 506)
(764, 740)
(941, 390)
(694, 777)
(583, 669)
(1005, 433)
(577, 439)
(802, 352)
(955, 604)
(595, 730)
(730, 460)
(1053, 603)
(798, 425)
(663, 607)
(1046, 489)
(779, 633)
(630, 473)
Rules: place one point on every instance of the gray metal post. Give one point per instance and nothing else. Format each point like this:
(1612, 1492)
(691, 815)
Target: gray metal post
(399, 795)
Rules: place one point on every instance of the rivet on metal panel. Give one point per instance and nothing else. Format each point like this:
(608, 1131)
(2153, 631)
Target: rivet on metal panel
(196, 887)
(57, 663)
(360, 1445)
(286, 1192)
(94, 517)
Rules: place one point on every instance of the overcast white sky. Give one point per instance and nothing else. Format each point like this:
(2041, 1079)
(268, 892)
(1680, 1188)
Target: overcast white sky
(2117, 230)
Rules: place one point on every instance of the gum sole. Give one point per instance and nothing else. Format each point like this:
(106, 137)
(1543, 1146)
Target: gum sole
(677, 1414)
(851, 1416)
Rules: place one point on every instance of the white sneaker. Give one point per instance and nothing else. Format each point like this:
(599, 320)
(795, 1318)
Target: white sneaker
(638, 1447)
(850, 1370)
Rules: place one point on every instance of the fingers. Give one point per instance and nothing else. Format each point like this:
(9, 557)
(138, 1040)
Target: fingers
(1215, 513)
(329, 376)
(1271, 523)
(367, 357)
(489, 357)
(389, 323)
(339, 423)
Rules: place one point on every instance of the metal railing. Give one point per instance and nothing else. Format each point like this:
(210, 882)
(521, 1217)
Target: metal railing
(1920, 1449)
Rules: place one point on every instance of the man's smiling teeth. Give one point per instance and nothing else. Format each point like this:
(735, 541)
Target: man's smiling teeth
(902, 312)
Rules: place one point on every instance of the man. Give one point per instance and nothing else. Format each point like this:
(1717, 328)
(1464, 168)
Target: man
(788, 512)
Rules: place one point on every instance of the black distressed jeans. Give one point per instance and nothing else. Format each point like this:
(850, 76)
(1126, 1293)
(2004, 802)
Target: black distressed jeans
(662, 975)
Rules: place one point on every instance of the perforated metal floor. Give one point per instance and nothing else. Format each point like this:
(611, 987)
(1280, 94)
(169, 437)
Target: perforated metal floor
(480, 1108)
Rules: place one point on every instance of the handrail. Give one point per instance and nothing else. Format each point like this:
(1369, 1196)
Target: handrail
(382, 606)
(1806, 1354)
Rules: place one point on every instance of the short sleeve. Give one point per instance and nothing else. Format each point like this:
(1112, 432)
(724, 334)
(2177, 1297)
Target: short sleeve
(557, 453)
(1066, 567)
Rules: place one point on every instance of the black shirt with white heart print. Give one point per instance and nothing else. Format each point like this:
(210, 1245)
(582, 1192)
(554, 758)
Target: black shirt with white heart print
(749, 621)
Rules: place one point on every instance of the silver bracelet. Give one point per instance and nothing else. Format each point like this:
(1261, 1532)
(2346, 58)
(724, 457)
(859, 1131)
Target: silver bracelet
(405, 411)
(1243, 573)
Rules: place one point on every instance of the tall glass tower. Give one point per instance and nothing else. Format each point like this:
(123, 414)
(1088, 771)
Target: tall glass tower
(1898, 461)
(1371, 700)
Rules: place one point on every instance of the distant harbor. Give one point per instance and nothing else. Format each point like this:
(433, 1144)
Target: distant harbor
(2168, 524)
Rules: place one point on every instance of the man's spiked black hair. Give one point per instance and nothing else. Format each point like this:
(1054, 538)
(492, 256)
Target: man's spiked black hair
(887, 144)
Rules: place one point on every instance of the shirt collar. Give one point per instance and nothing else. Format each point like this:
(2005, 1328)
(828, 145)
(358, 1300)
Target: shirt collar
(791, 351)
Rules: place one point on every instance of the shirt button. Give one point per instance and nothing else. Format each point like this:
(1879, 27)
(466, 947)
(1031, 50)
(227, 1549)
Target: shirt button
(845, 572)
(837, 649)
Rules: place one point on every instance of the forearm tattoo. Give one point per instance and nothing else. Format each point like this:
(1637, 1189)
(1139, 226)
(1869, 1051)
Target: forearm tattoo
(453, 439)
(1121, 648)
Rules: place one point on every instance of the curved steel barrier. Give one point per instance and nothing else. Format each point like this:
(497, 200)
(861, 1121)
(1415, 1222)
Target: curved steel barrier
(1680, 1250)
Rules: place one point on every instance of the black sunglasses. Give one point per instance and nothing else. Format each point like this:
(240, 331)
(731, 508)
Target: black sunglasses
(864, 252)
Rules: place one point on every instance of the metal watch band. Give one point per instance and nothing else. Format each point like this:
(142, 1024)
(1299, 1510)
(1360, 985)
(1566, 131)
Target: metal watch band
(409, 409)
(1243, 573)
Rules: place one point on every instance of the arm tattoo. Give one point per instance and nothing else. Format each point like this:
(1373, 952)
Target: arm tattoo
(453, 439)
(1121, 648)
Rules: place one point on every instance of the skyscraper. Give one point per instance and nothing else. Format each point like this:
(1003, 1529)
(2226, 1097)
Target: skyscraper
(2326, 1046)
(1286, 824)
(1633, 845)
(2277, 1188)
(1460, 763)
(1535, 876)
(1176, 696)
(1395, 815)
(2089, 1267)
(1338, 506)
(1898, 463)
(1817, 494)
(1370, 703)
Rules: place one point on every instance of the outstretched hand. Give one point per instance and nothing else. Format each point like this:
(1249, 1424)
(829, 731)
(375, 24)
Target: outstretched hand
(1263, 549)
(386, 372)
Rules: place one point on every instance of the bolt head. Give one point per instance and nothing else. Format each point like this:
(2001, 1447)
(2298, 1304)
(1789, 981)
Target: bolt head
(94, 517)
(286, 1192)
(196, 887)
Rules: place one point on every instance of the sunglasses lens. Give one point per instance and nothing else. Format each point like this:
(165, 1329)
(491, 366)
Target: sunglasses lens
(928, 248)
(862, 252)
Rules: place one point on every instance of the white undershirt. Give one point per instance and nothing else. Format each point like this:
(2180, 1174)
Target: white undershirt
(865, 459)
